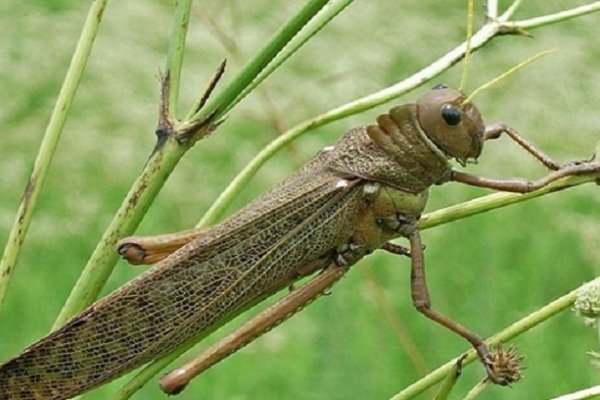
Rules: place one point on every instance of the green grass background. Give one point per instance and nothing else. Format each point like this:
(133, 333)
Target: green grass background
(486, 271)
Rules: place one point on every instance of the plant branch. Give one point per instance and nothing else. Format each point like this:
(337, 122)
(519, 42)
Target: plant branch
(538, 22)
(50, 141)
(492, 9)
(228, 97)
(498, 200)
(588, 393)
(176, 52)
(333, 8)
(506, 15)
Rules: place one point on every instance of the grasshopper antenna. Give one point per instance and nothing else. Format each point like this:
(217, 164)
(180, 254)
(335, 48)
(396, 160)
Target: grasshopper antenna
(463, 79)
(508, 72)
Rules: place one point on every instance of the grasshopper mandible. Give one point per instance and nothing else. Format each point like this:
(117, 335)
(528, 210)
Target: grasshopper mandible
(351, 199)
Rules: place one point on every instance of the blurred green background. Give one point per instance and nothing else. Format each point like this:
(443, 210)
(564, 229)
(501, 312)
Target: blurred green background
(486, 271)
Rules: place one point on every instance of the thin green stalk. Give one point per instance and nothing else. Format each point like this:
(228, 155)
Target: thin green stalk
(449, 382)
(225, 99)
(147, 373)
(242, 179)
(49, 143)
(539, 22)
(463, 78)
(497, 200)
(309, 30)
(516, 329)
(176, 52)
(476, 390)
(250, 170)
(492, 9)
(589, 393)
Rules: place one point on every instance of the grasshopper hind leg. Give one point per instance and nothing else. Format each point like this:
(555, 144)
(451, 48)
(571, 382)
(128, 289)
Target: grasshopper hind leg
(151, 249)
(283, 309)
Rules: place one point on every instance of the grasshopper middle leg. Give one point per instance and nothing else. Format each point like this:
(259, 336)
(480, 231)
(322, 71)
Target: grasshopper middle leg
(521, 185)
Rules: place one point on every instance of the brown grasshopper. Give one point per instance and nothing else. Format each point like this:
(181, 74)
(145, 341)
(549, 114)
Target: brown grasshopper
(350, 200)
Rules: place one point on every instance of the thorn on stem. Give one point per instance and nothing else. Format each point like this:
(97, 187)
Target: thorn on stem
(212, 84)
(513, 30)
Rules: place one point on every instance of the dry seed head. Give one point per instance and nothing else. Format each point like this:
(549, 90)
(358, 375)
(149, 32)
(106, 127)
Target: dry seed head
(587, 300)
(507, 364)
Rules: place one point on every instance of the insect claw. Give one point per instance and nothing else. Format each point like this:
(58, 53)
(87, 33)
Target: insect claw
(503, 366)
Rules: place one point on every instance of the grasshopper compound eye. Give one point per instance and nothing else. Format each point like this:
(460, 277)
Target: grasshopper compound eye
(451, 115)
(454, 126)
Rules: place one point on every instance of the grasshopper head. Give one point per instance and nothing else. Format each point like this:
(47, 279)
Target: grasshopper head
(454, 126)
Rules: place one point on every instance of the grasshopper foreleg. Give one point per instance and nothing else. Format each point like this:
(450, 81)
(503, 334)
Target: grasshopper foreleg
(496, 130)
(522, 185)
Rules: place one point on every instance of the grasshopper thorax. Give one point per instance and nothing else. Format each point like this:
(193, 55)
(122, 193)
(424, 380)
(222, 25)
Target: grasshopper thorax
(454, 126)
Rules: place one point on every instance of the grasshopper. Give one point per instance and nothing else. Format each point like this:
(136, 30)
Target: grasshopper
(350, 200)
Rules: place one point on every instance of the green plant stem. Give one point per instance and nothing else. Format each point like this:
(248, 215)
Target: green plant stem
(148, 373)
(449, 383)
(176, 52)
(538, 22)
(49, 143)
(589, 393)
(476, 390)
(497, 200)
(333, 8)
(227, 97)
(535, 318)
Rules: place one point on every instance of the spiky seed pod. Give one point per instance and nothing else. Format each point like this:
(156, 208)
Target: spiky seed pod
(507, 364)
